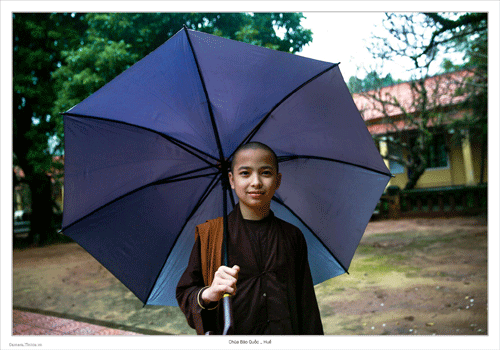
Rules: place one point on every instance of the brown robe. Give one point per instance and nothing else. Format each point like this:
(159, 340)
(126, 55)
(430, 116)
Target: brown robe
(275, 294)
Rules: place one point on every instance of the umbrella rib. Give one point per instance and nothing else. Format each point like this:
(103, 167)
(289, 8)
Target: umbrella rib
(310, 229)
(209, 105)
(282, 159)
(186, 147)
(205, 195)
(173, 178)
(259, 125)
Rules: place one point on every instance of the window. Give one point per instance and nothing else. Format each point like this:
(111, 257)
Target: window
(395, 167)
(437, 155)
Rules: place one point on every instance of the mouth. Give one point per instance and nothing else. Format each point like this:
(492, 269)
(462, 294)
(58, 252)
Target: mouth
(255, 194)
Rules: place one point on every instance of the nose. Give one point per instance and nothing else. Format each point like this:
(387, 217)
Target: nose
(256, 181)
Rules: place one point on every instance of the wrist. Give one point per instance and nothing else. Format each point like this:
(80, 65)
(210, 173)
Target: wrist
(204, 301)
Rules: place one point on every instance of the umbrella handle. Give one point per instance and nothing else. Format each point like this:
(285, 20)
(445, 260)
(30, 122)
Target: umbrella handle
(228, 315)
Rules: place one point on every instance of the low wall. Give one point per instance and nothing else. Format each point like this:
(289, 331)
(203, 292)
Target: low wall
(433, 202)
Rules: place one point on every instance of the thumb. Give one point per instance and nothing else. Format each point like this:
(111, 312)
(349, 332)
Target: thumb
(237, 268)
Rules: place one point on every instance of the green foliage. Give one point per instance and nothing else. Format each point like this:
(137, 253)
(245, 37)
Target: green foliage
(115, 41)
(37, 43)
(372, 81)
(62, 58)
(88, 68)
(38, 39)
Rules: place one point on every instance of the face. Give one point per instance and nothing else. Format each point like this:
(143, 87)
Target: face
(254, 179)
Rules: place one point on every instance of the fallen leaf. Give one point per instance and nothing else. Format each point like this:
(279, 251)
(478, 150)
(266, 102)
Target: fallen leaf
(428, 324)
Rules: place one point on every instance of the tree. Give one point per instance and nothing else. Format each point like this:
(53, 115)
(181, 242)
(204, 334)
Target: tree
(37, 42)
(469, 32)
(61, 58)
(371, 81)
(115, 41)
(423, 40)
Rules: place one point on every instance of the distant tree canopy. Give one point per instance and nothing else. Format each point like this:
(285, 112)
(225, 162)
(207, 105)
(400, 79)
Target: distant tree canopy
(372, 81)
(62, 58)
(115, 41)
(38, 42)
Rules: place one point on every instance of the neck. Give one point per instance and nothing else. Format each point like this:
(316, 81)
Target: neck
(255, 213)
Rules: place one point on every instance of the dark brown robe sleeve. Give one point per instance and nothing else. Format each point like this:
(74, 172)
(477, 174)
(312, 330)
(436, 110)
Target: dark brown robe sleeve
(309, 319)
(190, 284)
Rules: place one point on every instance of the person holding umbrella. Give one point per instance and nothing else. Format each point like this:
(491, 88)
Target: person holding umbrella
(147, 159)
(270, 280)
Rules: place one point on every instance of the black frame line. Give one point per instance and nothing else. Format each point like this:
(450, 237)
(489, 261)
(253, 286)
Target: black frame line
(174, 178)
(186, 147)
(282, 159)
(310, 229)
(259, 125)
(204, 196)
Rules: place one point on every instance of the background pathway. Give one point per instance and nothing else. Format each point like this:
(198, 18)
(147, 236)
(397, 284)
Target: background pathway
(28, 323)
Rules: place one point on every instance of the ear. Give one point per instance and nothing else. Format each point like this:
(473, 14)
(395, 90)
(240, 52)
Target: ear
(231, 180)
(278, 181)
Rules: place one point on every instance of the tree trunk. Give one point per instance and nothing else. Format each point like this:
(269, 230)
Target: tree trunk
(41, 206)
(413, 176)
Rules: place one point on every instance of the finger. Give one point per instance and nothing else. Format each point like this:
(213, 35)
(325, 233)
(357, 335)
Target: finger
(232, 271)
(226, 272)
(223, 274)
(223, 289)
(229, 290)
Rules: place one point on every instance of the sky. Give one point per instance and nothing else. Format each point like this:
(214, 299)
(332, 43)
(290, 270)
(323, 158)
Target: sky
(344, 37)
(341, 37)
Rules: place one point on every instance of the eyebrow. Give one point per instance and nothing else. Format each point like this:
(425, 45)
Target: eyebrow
(262, 167)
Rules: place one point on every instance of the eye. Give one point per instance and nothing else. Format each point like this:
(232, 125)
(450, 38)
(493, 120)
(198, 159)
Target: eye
(244, 173)
(267, 173)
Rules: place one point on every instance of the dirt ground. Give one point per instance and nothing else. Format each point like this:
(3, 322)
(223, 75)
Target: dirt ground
(415, 277)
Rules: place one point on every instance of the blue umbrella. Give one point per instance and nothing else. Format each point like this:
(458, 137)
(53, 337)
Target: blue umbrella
(147, 156)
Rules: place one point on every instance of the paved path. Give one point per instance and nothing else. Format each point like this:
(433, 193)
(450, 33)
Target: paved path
(28, 323)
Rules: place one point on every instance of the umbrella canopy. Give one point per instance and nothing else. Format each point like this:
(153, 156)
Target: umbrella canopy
(146, 156)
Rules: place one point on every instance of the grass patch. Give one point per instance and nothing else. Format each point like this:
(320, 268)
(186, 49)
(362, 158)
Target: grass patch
(382, 264)
(353, 328)
(412, 274)
(366, 249)
(386, 258)
(397, 244)
(425, 242)
(326, 310)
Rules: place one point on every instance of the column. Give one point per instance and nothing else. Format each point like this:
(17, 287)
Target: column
(384, 151)
(468, 165)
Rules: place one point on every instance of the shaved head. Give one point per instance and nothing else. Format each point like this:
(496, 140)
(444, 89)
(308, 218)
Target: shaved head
(254, 146)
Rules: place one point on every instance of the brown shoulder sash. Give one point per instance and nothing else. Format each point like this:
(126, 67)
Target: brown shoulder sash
(211, 234)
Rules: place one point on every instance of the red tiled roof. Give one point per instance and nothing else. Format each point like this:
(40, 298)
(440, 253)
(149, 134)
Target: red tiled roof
(384, 128)
(441, 91)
